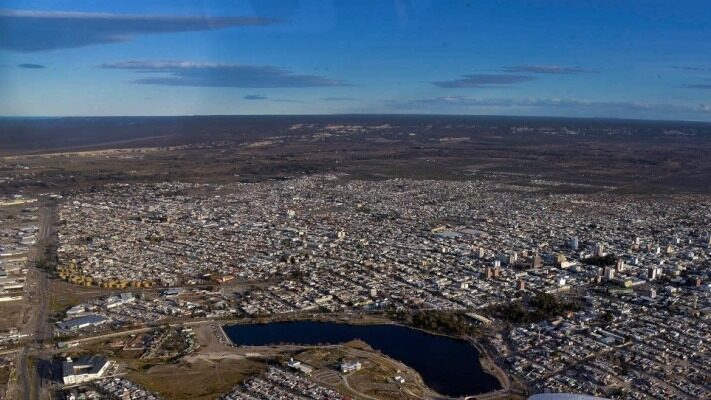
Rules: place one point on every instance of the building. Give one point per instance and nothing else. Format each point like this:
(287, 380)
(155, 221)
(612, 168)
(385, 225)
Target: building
(299, 366)
(560, 259)
(512, 258)
(609, 273)
(653, 273)
(696, 281)
(76, 311)
(492, 272)
(507, 259)
(350, 366)
(521, 285)
(172, 292)
(574, 243)
(82, 322)
(488, 272)
(650, 292)
(563, 396)
(83, 369)
(599, 249)
(536, 261)
(497, 272)
(118, 300)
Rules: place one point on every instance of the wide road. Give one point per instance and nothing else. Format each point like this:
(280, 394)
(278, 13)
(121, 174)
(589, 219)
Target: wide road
(36, 289)
(23, 373)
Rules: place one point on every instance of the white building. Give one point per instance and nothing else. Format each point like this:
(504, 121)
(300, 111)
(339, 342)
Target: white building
(118, 300)
(599, 249)
(609, 273)
(348, 366)
(299, 366)
(83, 369)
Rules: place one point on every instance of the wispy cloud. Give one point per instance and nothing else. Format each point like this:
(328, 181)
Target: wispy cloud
(187, 73)
(483, 81)
(338, 98)
(257, 97)
(456, 104)
(30, 66)
(289, 101)
(547, 69)
(29, 31)
(692, 68)
(698, 86)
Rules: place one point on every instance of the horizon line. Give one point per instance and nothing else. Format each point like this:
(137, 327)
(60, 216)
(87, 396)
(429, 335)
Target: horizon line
(355, 114)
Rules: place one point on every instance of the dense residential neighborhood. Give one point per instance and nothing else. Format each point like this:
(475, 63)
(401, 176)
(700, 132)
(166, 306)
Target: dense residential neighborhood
(635, 272)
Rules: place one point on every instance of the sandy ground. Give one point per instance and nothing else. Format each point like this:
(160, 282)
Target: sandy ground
(208, 337)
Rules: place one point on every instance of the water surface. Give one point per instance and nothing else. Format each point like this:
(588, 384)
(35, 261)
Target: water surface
(447, 365)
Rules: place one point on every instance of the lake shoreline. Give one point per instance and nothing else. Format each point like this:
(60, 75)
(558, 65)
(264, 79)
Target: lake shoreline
(448, 365)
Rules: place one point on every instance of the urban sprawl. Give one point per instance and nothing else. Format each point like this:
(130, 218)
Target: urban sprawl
(632, 271)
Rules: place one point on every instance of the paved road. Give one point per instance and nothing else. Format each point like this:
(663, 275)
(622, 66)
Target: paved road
(37, 325)
(24, 373)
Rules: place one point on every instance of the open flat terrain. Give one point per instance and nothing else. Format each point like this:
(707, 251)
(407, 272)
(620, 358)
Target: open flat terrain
(546, 154)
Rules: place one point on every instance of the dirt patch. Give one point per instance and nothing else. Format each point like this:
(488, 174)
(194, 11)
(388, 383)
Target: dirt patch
(207, 336)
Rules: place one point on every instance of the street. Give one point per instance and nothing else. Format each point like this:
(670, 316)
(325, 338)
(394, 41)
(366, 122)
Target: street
(31, 381)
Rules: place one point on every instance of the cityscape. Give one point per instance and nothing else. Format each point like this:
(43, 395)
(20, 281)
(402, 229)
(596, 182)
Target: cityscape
(384, 200)
(554, 286)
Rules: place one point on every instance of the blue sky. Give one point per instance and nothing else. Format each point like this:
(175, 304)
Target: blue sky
(628, 59)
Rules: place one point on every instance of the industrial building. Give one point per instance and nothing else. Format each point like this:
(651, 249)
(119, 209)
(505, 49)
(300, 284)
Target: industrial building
(83, 369)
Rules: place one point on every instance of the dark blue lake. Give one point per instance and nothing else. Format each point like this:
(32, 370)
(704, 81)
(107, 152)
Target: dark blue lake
(449, 366)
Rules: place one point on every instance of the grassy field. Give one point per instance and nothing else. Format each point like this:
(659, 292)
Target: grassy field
(62, 302)
(375, 379)
(200, 380)
(10, 314)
